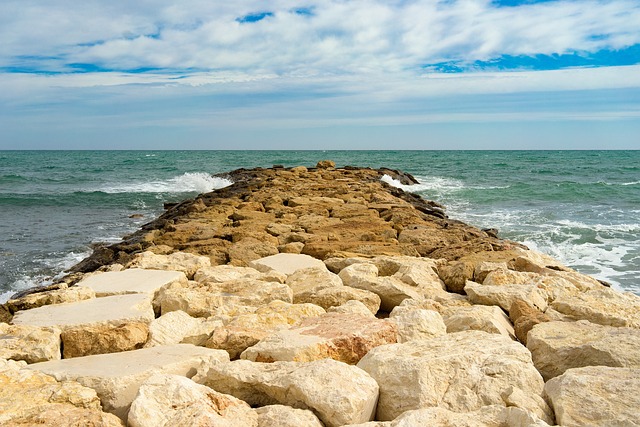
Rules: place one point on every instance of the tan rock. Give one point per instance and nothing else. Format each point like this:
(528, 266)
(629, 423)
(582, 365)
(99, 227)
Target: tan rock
(177, 261)
(343, 337)
(603, 306)
(246, 330)
(29, 343)
(391, 290)
(353, 307)
(417, 324)
(102, 339)
(229, 273)
(33, 398)
(304, 281)
(173, 400)
(177, 326)
(483, 268)
(503, 276)
(558, 346)
(461, 372)
(113, 310)
(524, 318)
(479, 318)
(210, 299)
(116, 377)
(5, 314)
(291, 248)
(455, 275)
(505, 295)
(338, 295)
(131, 281)
(326, 164)
(286, 263)
(286, 416)
(595, 396)
(63, 295)
(337, 393)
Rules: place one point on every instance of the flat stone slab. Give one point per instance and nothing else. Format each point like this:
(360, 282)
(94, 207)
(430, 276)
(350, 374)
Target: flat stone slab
(286, 263)
(131, 281)
(116, 377)
(116, 309)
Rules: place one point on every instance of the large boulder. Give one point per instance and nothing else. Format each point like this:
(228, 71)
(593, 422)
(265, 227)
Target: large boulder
(286, 416)
(603, 306)
(29, 343)
(246, 330)
(131, 281)
(558, 346)
(177, 261)
(30, 398)
(337, 393)
(479, 318)
(340, 336)
(595, 396)
(417, 324)
(172, 400)
(63, 294)
(338, 295)
(286, 263)
(177, 326)
(116, 377)
(228, 273)
(461, 372)
(524, 318)
(505, 295)
(102, 339)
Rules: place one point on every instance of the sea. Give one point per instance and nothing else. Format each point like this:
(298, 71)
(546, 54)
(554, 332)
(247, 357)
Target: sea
(580, 207)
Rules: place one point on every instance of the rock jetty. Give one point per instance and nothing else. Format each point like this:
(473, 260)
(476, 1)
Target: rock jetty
(313, 297)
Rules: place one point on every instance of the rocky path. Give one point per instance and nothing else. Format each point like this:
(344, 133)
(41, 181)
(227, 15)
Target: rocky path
(319, 297)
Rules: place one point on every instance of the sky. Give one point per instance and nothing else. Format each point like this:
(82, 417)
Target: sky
(333, 74)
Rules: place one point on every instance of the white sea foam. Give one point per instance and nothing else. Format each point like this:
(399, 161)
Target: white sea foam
(429, 184)
(187, 182)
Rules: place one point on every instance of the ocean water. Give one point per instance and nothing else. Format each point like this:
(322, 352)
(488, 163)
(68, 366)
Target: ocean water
(581, 207)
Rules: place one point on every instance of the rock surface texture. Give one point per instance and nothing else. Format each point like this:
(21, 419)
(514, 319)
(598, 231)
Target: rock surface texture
(318, 296)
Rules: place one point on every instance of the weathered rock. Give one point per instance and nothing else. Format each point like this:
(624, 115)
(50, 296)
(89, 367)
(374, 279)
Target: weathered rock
(595, 396)
(210, 299)
(487, 416)
(116, 377)
(461, 372)
(177, 261)
(32, 398)
(338, 295)
(286, 263)
(391, 290)
(353, 307)
(246, 330)
(177, 326)
(5, 314)
(483, 268)
(558, 346)
(337, 393)
(603, 306)
(308, 280)
(173, 400)
(524, 318)
(505, 295)
(228, 273)
(479, 318)
(29, 343)
(343, 337)
(249, 249)
(64, 294)
(113, 310)
(456, 275)
(286, 416)
(102, 339)
(417, 324)
(326, 164)
(503, 276)
(131, 281)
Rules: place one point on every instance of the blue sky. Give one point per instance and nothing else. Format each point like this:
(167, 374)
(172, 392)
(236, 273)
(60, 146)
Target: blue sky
(335, 74)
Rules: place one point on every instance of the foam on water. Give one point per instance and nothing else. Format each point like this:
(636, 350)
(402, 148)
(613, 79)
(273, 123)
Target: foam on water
(185, 183)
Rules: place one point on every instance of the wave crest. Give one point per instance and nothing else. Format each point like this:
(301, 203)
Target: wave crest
(186, 183)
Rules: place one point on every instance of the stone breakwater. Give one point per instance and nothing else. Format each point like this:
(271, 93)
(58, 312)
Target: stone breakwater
(319, 297)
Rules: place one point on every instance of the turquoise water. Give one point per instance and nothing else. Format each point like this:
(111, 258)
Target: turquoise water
(582, 207)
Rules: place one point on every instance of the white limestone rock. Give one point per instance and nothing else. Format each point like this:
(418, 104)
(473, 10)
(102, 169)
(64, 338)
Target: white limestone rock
(228, 273)
(286, 263)
(505, 295)
(116, 377)
(418, 324)
(177, 261)
(131, 281)
(603, 306)
(595, 396)
(558, 346)
(286, 416)
(460, 372)
(177, 326)
(337, 393)
(172, 400)
(353, 307)
(479, 318)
